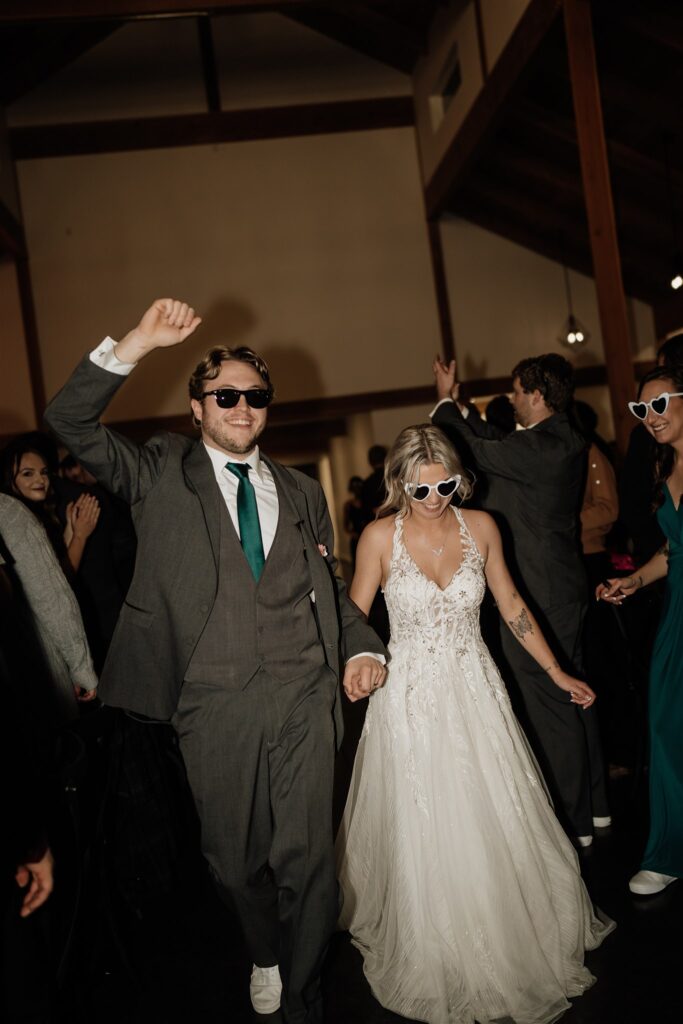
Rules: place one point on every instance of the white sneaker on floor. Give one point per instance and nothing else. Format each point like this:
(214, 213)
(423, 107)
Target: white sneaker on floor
(265, 989)
(603, 822)
(647, 883)
(584, 840)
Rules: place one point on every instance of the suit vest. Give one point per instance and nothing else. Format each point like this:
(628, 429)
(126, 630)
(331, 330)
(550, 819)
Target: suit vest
(270, 624)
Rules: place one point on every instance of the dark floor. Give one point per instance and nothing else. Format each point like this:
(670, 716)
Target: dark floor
(181, 959)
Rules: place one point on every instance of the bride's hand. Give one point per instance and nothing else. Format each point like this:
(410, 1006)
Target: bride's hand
(580, 693)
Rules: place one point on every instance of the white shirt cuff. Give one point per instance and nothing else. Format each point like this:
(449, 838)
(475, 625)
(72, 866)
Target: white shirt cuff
(369, 654)
(464, 409)
(104, 356)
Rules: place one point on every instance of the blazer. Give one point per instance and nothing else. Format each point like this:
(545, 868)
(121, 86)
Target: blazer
(170, 484)
(536, 479)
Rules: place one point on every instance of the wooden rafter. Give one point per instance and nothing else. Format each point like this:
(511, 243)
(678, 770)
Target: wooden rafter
(124, 10)
(207, 129)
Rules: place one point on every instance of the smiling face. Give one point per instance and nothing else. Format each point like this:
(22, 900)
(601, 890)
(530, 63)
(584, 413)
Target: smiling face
(667, 428)
(434, 505)
(233, 431)
(32, 480)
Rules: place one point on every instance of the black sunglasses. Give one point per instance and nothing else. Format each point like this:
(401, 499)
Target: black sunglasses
(227, 398)
(444, 488)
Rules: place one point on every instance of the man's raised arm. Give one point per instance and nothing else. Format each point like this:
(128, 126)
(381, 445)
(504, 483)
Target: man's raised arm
(121, 465)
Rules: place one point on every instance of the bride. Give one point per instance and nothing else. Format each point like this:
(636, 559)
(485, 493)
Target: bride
(461, 889)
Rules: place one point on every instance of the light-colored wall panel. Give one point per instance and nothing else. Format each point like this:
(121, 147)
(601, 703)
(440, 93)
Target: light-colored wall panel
(499, 20)
(454, 26)
(312, 250)
(269, 60)
(16, 397)
(144, 69)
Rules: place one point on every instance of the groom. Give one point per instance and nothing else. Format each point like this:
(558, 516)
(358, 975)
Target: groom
(233, 629)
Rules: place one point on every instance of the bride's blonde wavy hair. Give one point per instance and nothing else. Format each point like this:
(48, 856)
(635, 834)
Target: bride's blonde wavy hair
(414, 447)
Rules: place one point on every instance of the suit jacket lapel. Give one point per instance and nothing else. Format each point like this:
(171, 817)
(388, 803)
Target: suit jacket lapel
(200, 478)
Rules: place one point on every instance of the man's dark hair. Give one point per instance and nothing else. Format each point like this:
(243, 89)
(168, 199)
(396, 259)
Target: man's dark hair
(550, 374)
(376, 455)
(210, 366)
(670, 352)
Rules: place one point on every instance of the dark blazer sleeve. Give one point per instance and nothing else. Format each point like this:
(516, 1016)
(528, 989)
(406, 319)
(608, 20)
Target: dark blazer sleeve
(506, 456)
(119, 464)
(356, 635)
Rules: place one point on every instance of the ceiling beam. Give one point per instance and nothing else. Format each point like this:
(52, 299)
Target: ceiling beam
(476, 130)
(609, 286)
(37, 142)
(15, 11)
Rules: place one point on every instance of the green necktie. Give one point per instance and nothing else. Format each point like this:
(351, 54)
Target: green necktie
(247, 517)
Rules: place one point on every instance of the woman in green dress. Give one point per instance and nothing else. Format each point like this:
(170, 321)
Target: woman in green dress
(660, 408)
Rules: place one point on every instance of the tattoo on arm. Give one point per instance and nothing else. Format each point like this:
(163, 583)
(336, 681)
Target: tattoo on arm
(551, 666)
(664, 550)
(521, 625)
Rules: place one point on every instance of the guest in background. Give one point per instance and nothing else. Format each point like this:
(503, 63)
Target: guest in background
(55, 612)
(500, 413)
(354, 518)
(24, 473)
(539, 476)
(373, 492)
(660, 409)
(108, 562)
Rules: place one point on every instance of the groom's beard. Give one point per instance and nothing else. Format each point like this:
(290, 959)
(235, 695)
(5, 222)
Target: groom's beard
(231, 439)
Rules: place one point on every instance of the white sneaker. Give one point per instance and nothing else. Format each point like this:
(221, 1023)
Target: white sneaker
(265, 989)
(647, 883)
(604, 822)
(584, 840)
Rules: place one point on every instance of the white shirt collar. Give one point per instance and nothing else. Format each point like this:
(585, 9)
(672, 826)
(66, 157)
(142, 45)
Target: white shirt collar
(219, 460)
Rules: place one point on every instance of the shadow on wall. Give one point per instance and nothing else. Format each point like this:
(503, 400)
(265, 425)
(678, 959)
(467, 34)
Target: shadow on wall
(224, 323)
(294, 371)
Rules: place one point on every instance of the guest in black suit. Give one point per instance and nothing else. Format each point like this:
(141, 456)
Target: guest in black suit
(537, 477)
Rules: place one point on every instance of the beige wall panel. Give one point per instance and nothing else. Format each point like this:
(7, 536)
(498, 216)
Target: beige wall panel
(312, 250)
(452, 26)
(269, 60)
(499, 18)
(508, 302)
(144, 69)
(16, 397)
(388, 423)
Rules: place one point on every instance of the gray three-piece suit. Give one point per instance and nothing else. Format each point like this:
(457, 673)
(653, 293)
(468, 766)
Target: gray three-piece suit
(248, 673)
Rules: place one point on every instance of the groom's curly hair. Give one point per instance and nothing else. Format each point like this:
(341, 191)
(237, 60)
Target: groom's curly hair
(209, 367)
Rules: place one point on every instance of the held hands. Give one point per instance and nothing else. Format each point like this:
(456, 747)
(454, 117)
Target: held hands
(616, 590)
(84, 696)
(167, 322)
(445, 376)
(362, 676)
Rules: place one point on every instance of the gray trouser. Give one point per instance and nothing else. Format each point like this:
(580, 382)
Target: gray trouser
(260, 764)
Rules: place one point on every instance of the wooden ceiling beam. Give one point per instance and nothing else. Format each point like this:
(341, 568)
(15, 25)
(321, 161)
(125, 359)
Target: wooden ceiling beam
(38, 142)
(614, 322)
(16, 11)
(476, 131)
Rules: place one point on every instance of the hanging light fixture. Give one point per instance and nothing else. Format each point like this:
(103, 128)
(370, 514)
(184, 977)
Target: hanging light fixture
(574, 334)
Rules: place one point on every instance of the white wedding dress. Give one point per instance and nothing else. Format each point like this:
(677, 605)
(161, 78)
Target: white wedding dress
(461, 890)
